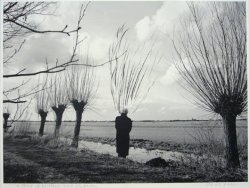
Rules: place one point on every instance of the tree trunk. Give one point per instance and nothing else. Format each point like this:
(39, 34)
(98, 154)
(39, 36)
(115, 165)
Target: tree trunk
(43, 120)
(232, 155)
(77, 128)
(58, 124)
(59, 114)
(5, 124)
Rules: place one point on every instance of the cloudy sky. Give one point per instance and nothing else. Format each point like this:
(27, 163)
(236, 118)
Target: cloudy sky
(166, 99)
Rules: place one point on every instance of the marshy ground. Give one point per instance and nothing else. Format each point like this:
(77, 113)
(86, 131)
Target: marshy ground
(29, 160)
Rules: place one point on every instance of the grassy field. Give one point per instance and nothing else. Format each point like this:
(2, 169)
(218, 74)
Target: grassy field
(28, 159)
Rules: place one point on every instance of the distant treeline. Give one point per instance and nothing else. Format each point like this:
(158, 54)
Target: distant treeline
(175, 120)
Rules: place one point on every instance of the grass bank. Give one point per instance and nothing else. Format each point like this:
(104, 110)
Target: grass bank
(211, 148)
(31, 160)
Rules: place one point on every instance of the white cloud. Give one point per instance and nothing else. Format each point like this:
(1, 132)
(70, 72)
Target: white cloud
(144, 28)
(171, 76)
(99, 47)
(161, 22)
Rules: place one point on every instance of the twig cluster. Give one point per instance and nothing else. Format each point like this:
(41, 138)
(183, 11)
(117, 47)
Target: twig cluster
(212, 57)
(130, 74)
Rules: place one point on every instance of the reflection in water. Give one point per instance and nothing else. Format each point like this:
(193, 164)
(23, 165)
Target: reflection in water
(135, 154)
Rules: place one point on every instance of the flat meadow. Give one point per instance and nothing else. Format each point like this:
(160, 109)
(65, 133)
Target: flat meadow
(193, 151)
(173, 131)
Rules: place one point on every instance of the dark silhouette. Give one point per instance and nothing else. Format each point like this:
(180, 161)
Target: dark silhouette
(5, 124)
(43, 114)
(157, 162)
(160, 162)
(123, 125)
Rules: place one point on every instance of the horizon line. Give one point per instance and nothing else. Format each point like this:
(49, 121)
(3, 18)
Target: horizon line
(174, 120)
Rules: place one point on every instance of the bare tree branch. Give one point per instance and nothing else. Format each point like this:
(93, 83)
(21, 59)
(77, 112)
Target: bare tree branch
(6, 60)
(13, 101)
(130, 74)
(55, 69)
(63, 31)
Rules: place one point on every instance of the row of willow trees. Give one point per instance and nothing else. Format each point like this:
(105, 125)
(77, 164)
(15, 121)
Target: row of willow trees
(75, 86)
(130, 75)
(211, 57)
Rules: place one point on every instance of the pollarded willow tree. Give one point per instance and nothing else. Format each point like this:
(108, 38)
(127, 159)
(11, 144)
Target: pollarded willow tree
(58, 98)
(131, 74)
(212, 60)
(42, 105)
(81, 89)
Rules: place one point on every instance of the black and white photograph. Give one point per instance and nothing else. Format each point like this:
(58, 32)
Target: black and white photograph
(115, 92)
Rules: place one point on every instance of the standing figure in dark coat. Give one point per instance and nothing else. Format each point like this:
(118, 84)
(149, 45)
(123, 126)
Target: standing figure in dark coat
(123, 125)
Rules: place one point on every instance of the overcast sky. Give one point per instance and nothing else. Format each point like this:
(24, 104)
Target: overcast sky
(166, 99)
